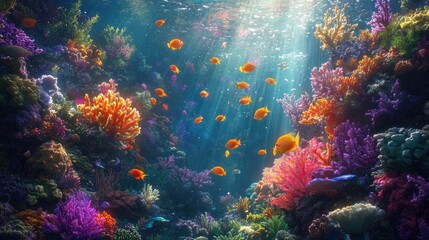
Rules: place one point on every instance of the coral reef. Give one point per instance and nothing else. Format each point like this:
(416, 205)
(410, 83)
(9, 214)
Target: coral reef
(43, 192)
(382, 17)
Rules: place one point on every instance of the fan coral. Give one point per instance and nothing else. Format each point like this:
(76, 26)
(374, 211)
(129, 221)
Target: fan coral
(114, 115)
(292, 172)
(50, 159)
(355, 149)
(108, 223)
(336, 28)
(382, 18)
(74, 219)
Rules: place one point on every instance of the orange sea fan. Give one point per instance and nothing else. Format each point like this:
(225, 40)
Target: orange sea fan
(113, 114)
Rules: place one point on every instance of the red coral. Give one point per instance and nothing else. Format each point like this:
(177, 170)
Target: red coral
(108, 222)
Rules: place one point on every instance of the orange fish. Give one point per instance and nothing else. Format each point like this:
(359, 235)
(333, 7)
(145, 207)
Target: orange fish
(247, 68)
(137, 174)
(175, 44)
(242, 85)
(220, 118)
(215, 60)
(160, 92)
(198, 120)
(271, 81)
(261, 113)
(152, 100)
(262, 152)
(246, 100)
(160, 22)
(174, 68)
(218, 170)
(226, 153)
(204, 94)
(233, 143)
(286, 143)
(28, 22)
(165, 107)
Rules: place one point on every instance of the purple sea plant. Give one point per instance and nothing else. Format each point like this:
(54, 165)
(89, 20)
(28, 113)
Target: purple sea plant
(382, 18)
(74, 219)
(192, 178)
(166, 162)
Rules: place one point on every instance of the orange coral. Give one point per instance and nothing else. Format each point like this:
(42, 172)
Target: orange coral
(33, 218)
(336, 28)
(322, 109)
(114, 115)
(368, 37)
(350, 64)
(368, 67)
(349, 85)
(403, 67)
(108, 222)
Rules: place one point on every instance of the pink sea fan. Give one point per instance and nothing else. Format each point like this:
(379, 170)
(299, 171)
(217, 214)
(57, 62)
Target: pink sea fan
(291, 173)
(325, 80)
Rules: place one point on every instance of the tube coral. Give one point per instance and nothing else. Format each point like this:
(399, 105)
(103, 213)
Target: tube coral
(114, 115)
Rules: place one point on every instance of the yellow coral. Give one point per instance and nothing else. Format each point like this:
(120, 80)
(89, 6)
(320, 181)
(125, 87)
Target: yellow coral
(336, 28)
(417, 19)
(114, 115)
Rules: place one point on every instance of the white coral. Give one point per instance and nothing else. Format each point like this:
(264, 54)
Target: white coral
(149, 194)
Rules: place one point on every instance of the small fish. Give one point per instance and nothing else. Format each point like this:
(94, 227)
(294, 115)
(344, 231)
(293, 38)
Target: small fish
(160, 92)
(174, 68)
(220, 118)
(198, 120)
(236, 171)
(99, 164)
(175, 44)
(155, 220)
(270, 81)
(282, 65)
(262, 152)
(226, 153)
(247, 68)
(104, 204)
(233, 143)
(28, 22)
(344, 177)
(246, 100)
(115, 162)
(218, 170)
(160, 22)
(204, 94)
(164, 107)
(137, 174)
(14, 51)
(242, 85)
(261, 113)
(215, 60)
(150, 121)
(152, 100)
(224, 45)
(286, 143)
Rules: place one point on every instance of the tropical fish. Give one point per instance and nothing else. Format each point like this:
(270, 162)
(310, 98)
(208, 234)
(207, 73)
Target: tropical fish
(99, 164)
(246, 100)
(242, 85)
(160, 92)
(224, 45)
(204, 94)
(175, 44)
(218, 170)
(28, 22)
(247, 68)
(220, 118)
(14, 51)
(215, 60)
(174, 68)
(152, 100)
(226, 153)
(270, 81)
(137, 174)
(198, 120)
(165, 107)
(236, 171)
(160, 22)
(155, 220)
(328, 185)
(261, 113)
(262, 152)
(233, 143)
(104, 204)
(286, 143)
(282, 65)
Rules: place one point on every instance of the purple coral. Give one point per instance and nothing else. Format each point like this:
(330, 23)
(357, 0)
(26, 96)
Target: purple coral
(13, 36)
(49, 89)
(74, 219)
(192, 178)
(355, 149)
(166, 162)
(325, 80)
(382, 18)
(295, 107)
(119, 48)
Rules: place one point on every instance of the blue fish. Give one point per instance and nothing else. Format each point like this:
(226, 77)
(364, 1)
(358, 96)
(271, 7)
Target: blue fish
(104, 204)
(153, 220)
(344, 177)
(99, 164)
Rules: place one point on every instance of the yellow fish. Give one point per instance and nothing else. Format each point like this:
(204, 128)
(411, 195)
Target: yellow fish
(286, 143)
(262, 152)
(261, 113)
(226, 153)
(218, 170)
(220, 118)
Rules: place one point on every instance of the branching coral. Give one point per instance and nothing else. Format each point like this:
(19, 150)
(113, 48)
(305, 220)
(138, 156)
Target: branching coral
(336, 28)
(114, 115)
(325, 81)
(108, 223)
(323, 109)
(382, 17)
(149, 195)
(242, 206)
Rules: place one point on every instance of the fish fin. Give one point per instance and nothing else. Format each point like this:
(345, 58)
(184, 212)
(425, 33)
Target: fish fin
(168, 45)
(266, 109)
(274, 151)
(241, 69)
(297, 139)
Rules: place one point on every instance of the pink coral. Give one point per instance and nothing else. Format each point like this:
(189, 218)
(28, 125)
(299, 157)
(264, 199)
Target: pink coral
(291, 172)
(325, 80)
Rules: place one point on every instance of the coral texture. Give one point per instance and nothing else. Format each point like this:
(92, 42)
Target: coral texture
(382, 17)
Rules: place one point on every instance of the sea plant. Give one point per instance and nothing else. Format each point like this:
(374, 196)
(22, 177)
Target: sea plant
(229, 236)
(275, 224)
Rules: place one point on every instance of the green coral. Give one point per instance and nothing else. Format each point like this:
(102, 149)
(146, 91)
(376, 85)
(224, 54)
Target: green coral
(16, 92)
(358, 218)
(109, 32)
(69, 26)
(275, 224)
(43, 190)
(128, 233)
(144, 99)
(229, 236)
(16, 230)
(5, 5)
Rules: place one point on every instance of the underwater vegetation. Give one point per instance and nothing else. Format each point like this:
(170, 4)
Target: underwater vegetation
(255, 120)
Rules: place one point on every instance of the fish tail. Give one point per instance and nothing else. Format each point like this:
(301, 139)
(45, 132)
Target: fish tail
(168, 45)
(297, 139)
(241, 69)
